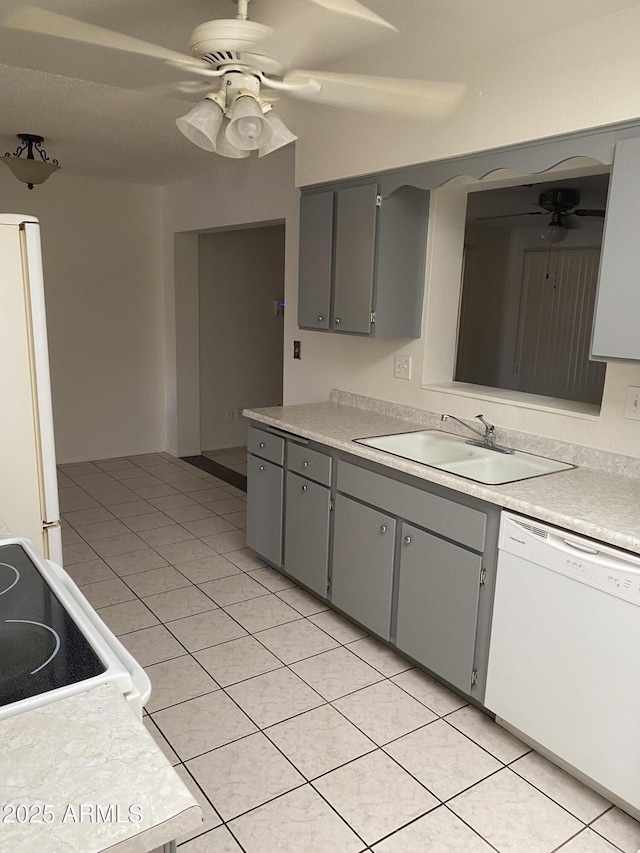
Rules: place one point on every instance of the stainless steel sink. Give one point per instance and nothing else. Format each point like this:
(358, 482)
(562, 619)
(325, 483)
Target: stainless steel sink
(452, 453)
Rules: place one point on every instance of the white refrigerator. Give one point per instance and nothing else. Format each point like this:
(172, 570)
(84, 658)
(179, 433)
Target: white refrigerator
(28, 481)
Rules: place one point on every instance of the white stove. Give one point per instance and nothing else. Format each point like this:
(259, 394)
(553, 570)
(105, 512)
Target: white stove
(53, 644)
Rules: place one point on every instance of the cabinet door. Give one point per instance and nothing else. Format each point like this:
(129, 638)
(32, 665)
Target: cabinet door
(615, 329)
(438, 593)
(362, 579)
(316, 258)
(356, 215)
(264, 509)
(306, 537)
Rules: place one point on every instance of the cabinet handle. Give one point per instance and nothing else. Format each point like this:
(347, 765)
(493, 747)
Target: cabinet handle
(304, 488)
(320, 318)
(262, 467)
(305, 464)
(383, 528)
(337, 321)
(407, 540)
(261, 444)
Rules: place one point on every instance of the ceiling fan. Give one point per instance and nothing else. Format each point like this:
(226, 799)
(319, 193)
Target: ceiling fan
(562, 204)
(246, 63)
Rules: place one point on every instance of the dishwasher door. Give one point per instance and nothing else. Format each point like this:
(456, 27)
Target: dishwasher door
(565, 643)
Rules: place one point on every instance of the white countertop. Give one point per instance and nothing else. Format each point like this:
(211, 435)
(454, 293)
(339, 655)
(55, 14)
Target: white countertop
(85, 752)
(593, 503)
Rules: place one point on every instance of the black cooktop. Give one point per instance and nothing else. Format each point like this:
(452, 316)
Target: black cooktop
(41, 647)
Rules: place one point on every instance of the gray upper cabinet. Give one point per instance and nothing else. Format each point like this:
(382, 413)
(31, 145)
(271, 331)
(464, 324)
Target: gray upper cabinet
(615, 329)
(316, 260)
(362, 260)
(356, 217)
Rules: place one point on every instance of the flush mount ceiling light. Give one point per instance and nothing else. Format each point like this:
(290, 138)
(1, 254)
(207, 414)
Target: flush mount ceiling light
(30, 170)
(240, 54)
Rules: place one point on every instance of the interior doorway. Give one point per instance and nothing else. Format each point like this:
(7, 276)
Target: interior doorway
(241, 333)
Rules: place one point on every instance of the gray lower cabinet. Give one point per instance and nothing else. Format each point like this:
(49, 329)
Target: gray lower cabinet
(438, 593)
(264, 508)
(363, 551)
(306, 532)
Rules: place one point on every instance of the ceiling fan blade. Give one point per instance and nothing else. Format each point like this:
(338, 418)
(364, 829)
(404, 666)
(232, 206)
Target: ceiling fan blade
(510, 215)
(585, 212)
(381, 94)
(305, 34)
(183, 90)
(353, 9)
(36, 20)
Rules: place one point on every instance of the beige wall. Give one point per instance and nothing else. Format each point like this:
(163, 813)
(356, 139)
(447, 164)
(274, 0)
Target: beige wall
(578, 78)
(241, 275)
(101, 242)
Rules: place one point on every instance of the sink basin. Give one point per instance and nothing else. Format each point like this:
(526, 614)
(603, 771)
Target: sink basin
(453, 454)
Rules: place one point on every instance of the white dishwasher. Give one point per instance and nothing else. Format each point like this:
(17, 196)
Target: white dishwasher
(564, 658)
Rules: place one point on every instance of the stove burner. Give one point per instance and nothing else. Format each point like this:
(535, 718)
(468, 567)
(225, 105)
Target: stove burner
(9, 577)
(24, 648)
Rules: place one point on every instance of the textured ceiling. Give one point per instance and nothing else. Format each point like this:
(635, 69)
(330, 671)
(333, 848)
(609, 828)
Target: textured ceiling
(104, 113)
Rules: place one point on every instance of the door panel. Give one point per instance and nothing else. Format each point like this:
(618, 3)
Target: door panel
(264, 509)
(362, 577)
(306, 550)
(438, 594)
(356, 215)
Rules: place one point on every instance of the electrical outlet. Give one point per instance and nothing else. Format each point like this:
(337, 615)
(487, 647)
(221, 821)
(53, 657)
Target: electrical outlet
(402, 366)
(228, 414)
(632, 406)
(297, 349)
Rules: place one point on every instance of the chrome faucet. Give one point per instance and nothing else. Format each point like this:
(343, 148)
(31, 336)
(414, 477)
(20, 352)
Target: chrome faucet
(487, 438)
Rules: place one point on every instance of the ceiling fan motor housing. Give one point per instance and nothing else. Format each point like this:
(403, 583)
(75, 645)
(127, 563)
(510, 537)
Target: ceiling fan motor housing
(559, 200)
(230, 41)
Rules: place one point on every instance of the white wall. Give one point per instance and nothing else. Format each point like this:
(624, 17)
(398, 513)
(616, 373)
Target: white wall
(239, 193)
(578, 78)
(241, 275)
(101, 255)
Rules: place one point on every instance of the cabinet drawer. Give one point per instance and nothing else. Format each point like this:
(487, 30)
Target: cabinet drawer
(316, 466)
(446, 517)
(264, 444)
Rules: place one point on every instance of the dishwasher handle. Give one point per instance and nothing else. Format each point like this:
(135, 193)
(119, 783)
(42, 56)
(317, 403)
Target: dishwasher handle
(580, 546)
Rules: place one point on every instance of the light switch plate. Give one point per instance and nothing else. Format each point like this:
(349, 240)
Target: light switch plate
(632, 406)
(402, 366)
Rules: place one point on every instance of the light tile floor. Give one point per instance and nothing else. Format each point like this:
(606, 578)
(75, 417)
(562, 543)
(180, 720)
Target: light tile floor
(295, 730)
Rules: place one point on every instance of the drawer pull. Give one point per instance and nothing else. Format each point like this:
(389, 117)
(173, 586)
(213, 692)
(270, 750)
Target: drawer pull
(305, 464)
(337, 321)
(407, 540)
(304, 488)
(383, 528)
(261, 444)
(320, 318)
(262, 467)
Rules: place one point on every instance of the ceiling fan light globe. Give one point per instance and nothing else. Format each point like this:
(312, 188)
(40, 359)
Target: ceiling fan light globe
(201, 124)
(281, 135)
(554, 233)
(248, 129)
(225, 149)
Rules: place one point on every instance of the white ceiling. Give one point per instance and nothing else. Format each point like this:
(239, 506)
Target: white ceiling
(98, 119)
